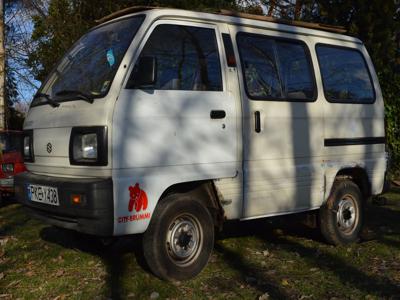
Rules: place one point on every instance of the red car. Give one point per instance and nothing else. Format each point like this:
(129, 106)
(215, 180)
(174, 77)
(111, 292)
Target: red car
(11, 161)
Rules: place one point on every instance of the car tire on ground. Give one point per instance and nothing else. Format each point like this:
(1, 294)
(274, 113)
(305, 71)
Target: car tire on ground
(341, 217)
(179, 240)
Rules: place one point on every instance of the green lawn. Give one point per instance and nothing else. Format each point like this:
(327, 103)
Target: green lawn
(280, 260)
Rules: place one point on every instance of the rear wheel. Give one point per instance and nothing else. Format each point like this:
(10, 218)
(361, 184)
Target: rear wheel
(180, 238)
(341, 218)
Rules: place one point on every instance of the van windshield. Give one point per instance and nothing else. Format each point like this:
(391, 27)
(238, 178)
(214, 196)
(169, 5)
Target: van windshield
(87, 70)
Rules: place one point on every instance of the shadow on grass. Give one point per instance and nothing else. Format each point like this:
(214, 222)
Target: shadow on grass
(382, 220)
(349, 275)
(259, 278)
(256, 278)
(111, 253)
(15, 218)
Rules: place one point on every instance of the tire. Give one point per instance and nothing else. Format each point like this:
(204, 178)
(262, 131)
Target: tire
(180, 238)
(341, 217)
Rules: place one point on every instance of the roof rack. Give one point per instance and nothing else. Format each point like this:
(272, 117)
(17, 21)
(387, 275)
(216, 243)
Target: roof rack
(331, 28)
(224, 12)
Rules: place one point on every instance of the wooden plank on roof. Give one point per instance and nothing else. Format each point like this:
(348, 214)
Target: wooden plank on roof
(330, 28)
(135, 9)
(123, 12)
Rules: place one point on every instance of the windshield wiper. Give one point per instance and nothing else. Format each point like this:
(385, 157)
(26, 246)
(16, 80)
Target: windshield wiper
(48, 98)
(76, 94)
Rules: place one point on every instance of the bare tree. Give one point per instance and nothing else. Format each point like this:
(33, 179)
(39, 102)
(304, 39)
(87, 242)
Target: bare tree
(18, 15)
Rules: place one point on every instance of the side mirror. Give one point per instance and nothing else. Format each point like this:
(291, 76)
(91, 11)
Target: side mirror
(145, 73)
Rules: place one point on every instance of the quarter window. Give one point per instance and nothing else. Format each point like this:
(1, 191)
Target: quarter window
(187, 58)
(276, 69)
(345, 75)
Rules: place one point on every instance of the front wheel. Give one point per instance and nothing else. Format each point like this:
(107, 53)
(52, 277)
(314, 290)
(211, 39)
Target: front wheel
(341, 218)
(180, 238)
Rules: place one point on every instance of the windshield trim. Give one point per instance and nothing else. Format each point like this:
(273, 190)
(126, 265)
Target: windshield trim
(105, 93)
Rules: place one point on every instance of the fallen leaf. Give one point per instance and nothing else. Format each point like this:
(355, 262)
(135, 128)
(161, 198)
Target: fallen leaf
(306, 297)
(59, 273)
(264, 297)
(4, 240)
(290, 261)
(29, 273)
(285, 282)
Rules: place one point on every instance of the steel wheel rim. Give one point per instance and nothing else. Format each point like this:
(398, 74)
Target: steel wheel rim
(184, 239)
(347, 214)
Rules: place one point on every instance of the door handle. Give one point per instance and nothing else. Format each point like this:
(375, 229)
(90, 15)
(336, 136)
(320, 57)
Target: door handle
(217, 114)
(257, 122)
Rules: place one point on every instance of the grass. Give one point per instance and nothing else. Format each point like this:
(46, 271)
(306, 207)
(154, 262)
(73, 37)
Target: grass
(280, 260)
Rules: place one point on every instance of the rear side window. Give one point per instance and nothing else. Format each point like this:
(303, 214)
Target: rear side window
(345, 75)
(276, 69)
(187, 58)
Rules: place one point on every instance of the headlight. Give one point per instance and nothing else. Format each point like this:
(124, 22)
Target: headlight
(85, 147)
(8, 168)
(88, 146)
(28, 146)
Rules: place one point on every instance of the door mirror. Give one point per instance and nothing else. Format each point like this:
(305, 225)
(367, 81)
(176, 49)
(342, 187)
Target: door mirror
(144, 74)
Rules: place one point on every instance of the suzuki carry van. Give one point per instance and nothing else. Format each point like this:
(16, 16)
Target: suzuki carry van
(166, 123)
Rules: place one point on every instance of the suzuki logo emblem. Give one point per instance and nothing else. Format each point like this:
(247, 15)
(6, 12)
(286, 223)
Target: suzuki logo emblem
(49, 147)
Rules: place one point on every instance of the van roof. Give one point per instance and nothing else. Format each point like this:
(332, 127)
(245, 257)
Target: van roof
(237, 18)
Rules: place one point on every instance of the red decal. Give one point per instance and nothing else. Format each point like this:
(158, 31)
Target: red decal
(138, 198)
(133, 218)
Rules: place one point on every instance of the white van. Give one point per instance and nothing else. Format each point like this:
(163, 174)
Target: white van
(166, 123)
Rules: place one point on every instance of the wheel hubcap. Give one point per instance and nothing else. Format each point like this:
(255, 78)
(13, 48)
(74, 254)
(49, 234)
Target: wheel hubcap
(184, 238)
(347, 214)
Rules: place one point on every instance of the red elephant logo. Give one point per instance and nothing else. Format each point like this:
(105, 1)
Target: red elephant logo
(138, 198)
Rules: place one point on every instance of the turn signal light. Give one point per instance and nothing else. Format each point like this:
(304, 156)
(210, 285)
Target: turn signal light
(76, 199)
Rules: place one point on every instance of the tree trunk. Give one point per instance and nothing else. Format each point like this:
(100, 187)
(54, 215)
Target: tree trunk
(272, 5)
(297, 10)
(2, 68)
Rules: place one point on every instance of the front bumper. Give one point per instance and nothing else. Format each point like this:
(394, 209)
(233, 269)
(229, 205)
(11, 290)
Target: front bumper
(94, 215)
